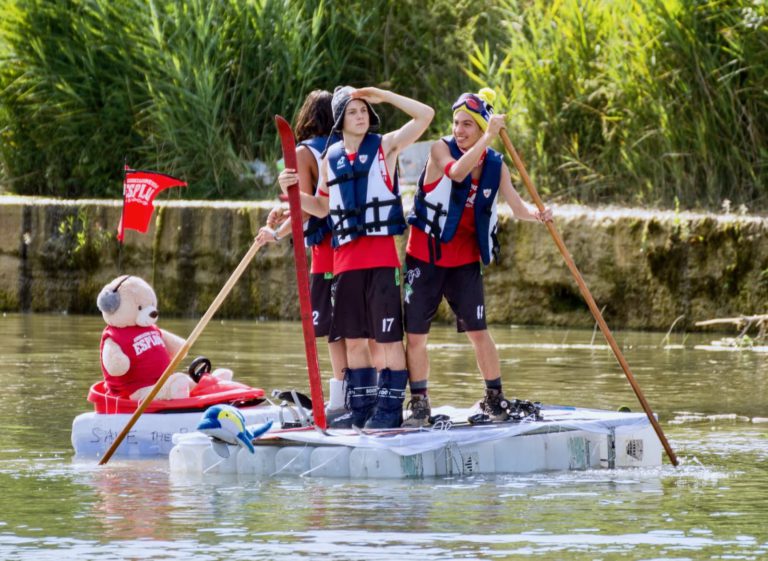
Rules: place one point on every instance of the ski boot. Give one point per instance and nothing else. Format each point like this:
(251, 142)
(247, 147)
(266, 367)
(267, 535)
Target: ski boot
(361, 398)
(389, 403)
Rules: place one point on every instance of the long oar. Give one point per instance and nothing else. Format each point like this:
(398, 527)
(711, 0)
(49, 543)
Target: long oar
(288, 144)
(588, 297)
(182, 352)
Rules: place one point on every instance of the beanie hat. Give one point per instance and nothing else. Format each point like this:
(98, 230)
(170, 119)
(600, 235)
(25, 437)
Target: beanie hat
(478, 106)
(341, 98)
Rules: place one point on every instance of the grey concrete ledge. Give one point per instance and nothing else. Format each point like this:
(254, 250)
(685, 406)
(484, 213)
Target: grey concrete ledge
(645, 267)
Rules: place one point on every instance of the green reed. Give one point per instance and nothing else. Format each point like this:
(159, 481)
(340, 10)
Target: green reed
(190, 87)
(640, 101)
(646, 101)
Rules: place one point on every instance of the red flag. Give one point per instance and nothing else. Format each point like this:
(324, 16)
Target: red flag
(139, 190)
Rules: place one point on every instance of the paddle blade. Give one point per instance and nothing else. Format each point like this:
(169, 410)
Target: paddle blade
(288, 143)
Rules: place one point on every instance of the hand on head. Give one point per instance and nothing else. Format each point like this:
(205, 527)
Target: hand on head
(371, 95)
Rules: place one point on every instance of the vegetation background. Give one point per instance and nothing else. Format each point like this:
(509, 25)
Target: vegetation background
(660, 103)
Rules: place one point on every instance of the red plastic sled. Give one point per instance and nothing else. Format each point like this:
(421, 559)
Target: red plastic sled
(209, 391)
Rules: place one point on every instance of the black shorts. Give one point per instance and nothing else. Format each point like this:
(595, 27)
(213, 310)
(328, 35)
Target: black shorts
(427, 284)
(366, 305)
(320, 297)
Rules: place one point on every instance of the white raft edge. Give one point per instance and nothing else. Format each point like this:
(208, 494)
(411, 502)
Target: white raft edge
(632, 444)
(152, 435)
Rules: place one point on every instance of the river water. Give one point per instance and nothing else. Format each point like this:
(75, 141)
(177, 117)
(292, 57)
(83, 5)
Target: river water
(711, 404)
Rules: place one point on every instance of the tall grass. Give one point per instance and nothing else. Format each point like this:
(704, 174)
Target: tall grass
(650, 101)
(658, 102)
(190, 86)
(65, 119)
(716, 97)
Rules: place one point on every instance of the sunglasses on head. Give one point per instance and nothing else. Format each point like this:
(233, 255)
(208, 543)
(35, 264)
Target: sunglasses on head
(471, 101)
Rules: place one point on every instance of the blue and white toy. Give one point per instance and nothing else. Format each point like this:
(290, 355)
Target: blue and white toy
(225, 425)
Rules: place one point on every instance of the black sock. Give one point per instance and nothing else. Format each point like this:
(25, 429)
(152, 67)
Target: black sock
(494, 384)
(419, 388)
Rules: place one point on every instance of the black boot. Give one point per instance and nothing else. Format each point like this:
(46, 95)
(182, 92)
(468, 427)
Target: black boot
(495, 405)
(360, 398)
(420, 411)
(389, 405)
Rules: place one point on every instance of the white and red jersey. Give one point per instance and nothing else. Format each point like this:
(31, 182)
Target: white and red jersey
(148, 355)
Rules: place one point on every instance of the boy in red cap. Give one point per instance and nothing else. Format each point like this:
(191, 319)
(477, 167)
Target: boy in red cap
(453, 229)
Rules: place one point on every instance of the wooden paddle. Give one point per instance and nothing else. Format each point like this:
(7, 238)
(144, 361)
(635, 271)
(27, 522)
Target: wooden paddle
(182, 352)
(588, 296)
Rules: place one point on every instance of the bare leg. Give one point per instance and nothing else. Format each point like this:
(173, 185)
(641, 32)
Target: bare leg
(418, 359)
(394, 355)
(418, 373)
(486, 353)
(338, 353)
(377, 353)
(358, 353)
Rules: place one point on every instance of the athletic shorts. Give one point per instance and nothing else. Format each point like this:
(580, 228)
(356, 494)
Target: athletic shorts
(320, 297)
(427, 284)
(366, 305)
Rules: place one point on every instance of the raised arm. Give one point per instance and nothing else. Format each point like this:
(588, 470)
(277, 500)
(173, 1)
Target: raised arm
(471, 157)
(421, 116)
(440, 155)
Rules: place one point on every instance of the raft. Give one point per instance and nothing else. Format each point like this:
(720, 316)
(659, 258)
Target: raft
(95, 431)
(564, 438)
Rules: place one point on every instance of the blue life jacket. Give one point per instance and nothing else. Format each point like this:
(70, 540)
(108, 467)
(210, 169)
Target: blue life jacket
(360, 201)
(315, 229)
(438, 212)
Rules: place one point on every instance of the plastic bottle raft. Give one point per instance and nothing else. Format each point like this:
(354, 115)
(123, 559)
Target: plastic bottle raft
(563, 438)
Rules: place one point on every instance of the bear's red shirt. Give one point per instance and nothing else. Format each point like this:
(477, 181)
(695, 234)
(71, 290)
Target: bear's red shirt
(145, 348)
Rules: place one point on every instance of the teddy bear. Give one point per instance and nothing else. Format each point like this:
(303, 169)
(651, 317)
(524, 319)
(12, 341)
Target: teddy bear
(134, 351)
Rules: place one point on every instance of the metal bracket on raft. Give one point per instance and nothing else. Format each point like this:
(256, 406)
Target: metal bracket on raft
(518, 410)
(299, 416)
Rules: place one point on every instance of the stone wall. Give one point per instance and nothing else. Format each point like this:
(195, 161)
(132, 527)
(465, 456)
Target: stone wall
(644, 268)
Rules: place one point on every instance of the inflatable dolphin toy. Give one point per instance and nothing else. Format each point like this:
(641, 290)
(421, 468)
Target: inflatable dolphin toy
(225, 425)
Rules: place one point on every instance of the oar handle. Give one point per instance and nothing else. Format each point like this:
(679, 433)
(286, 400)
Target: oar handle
(585, 292)
(182, 352)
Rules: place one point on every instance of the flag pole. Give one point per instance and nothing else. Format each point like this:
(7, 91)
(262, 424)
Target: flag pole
(121, 228)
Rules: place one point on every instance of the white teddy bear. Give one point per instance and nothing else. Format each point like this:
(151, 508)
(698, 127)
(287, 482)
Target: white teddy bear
(134, 351)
